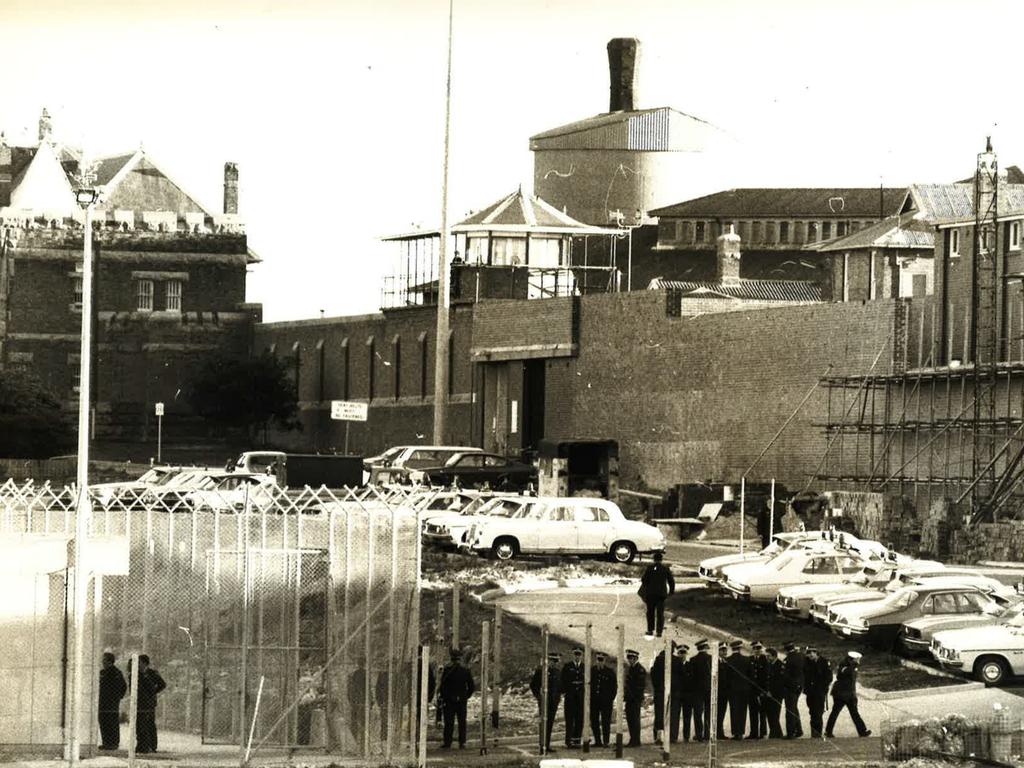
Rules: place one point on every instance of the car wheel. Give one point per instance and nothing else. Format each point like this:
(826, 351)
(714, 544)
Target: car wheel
(505, 549)
(991, 670)
(623, 552)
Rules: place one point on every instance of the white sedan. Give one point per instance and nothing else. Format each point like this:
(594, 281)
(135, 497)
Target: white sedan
(575, 525)
(761, 582)
(232, 492)
(449, 529)
(710, 569)
(990, 653)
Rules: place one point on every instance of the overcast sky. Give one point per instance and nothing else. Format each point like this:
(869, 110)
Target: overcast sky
(334, 110)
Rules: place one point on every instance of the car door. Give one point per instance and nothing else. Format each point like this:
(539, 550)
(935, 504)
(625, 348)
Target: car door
(467, 469)
(494, 469)
(559, 531)
(593, 525)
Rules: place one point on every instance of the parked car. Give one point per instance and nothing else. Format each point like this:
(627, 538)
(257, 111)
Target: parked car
(107, 493)
(231, 492)
(710, 569)
(393, 465)
(879, 621)
(576, 525)
(915, 637)
(990, 653)
(761, 582)
(171, 496)
(473, 469)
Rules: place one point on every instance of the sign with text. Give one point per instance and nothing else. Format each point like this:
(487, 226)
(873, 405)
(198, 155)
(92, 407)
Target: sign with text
(159, 409)
(347, 410)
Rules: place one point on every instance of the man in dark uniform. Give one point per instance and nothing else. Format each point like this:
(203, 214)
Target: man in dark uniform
(724, 685)
(112, 690)
(658, 686)
(656, 584)
(572, 682)
(604, 684)
(700, 669)
(794, 674)
(679, 693)
(844, 694)
(817, 678)
(554, 694)
(776, 697)
(633, 695)
(150, 685)
(758, 691)
(456, 687)
(739, 689)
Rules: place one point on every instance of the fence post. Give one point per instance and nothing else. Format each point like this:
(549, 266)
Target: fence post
(587, 641)
(620, 701)
(544, 691)
(713, 710)
(771, 515)
(743, 512)
(666, 704)
(243, 634)
(392, 621)
(484, 682)
(496, 705)
(456, 614)
(368, 634)
(422, 708)
(133, 708)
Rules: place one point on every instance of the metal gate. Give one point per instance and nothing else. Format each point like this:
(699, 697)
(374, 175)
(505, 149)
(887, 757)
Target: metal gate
(266, 637)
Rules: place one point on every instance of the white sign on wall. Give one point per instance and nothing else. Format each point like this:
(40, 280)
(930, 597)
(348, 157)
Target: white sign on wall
(159, 409)
(347, 410)
(514, 418)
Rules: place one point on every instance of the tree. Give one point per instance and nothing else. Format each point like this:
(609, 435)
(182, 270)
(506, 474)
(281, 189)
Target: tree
(242, 393)
(31, 423)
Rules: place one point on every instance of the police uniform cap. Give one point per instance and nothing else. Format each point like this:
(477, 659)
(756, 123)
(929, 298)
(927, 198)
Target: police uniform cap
(701, 645)
(736, 644)
(789, 647)
(856, 655)
(811, 649)
(554, 655)
(599, 656)
(682, 648)
(577, 649)
(634, 654)
(757, 645)
(773, 652)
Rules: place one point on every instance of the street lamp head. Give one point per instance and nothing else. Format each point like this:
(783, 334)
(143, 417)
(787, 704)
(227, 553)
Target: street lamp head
(87, 196)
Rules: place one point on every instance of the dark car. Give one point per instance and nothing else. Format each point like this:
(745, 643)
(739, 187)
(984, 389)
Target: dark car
(473, 470)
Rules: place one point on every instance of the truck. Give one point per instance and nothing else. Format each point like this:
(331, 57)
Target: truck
(300, 469)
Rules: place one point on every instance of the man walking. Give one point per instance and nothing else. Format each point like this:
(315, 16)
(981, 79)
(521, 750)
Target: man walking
(150, 686)
(636, 687)
(656, 585)
(573, 674)
(844, 694)
(739, 690)
(603, 686)
(554, 694)
(794, 674)
(700, 669)
(758, 692)
(456, 687)
(112, 690)
(776, 694)
(817, 678)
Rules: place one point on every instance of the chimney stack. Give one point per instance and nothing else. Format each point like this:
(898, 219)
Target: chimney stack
(623, 53)
(727, 266)
(230, 188)
(45, 126)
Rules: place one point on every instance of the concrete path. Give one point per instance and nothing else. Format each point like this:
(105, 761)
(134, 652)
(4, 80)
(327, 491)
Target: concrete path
(567, 612)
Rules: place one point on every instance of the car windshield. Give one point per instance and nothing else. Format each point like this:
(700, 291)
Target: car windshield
(475, 506)
(1012, 612)
(501, 508)
(900, 599)
(151, 475)
(780, 562)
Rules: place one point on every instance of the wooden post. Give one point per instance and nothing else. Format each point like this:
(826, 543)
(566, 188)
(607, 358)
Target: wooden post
(743, 503)
(485, 650)
(392, 622)
(456, 615)
(496, 675)
(423, 703)
(620, 700)
(133, 709)
(368, 635)
(666, 706)
(544, 690)
(713, 710)
(587, 642)
(771, 514)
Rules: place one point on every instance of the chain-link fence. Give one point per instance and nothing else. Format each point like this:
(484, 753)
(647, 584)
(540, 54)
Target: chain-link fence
(279, 619)
(998, 739)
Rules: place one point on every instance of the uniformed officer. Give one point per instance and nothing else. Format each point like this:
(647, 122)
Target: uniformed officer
(700, 669)
(572, 683)
(794, 674)
(636, 687)
(758, 691)
(604, 684)
(658, 685)
(724, 685)
(776, 698)
(456, 687)
(817, 678)
(679, 693)
(844, 694)
(739, 689)
(554, 694)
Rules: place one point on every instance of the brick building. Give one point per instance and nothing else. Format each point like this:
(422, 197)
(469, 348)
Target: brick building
(169, 285)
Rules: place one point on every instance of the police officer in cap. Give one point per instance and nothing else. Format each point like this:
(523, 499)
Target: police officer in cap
(739, 689)
(604, 684)
(776, 697)
(844, 694)
(456, 687)
(817, 678)
(554, 694)
(724, 685)
(794, 673)
(572, 683)
(658, 685)
(635, 688)
(758, 691)
(700, 671)
(681, 691)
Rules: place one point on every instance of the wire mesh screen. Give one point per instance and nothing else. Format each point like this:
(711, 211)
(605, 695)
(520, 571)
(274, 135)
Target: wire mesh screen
(291, 622)
(999, 737)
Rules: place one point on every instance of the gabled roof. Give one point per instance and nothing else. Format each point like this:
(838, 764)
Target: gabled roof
(744, 290)
(853, 202)
(646, 130)
(947, 203)
(519, 212)
(43, 185)
(906, 231)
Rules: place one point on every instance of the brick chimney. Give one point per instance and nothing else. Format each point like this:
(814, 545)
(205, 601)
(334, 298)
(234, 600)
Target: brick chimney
(623, 54)
(727, 264)
(230, 188)
(45, 126)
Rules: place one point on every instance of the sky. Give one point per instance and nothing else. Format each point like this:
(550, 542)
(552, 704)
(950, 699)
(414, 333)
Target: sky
(334, 111)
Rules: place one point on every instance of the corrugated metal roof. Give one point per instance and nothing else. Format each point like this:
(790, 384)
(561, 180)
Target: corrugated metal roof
(863, 202)
(947, 203)
(905, 231)
(521, 212)
(745, 290)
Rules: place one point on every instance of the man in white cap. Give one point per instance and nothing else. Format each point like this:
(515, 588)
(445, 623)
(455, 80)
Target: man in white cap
(844, 694)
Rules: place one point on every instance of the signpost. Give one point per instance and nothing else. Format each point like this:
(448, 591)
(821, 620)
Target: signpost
(348, 411)
(159, 430)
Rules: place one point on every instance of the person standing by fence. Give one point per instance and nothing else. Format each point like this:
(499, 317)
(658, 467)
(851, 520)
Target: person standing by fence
(776, 697)
(112, 690)
(656, 585)
(573, 675)
(603, 686)
(150, 686)
(554, 694)
(759, 669)
(636, 687)
(794, 673)
(456, 687)
(817, 679)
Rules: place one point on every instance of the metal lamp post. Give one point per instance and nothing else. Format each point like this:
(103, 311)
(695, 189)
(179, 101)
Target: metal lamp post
(87, 197)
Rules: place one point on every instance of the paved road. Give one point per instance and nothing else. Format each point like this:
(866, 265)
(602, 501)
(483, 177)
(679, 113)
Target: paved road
(689, 553)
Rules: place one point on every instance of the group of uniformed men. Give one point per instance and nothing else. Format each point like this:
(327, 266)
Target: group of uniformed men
(754, 683)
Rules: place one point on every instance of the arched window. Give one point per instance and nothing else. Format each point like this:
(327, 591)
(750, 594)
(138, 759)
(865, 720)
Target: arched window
(321, 373)
(396, 363)
(344, 369)
(423, 364)
(371, 368)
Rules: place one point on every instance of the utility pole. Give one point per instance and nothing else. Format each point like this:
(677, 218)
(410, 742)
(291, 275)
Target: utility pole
(443, 299)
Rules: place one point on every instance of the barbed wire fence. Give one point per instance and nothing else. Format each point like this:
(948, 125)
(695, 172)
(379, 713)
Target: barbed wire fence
(281, 621)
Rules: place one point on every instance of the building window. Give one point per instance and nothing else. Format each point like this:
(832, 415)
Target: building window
(423, 365)
(174, 295)
(826, 230)
(371, 353)
(345, 372)
(145, 303)
(77, 293)
(1014, 235)
(667, 231)
(783, 231)
(840, 229)
(954, 242)
(396, 363)
(699, 232)
(812, 232)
